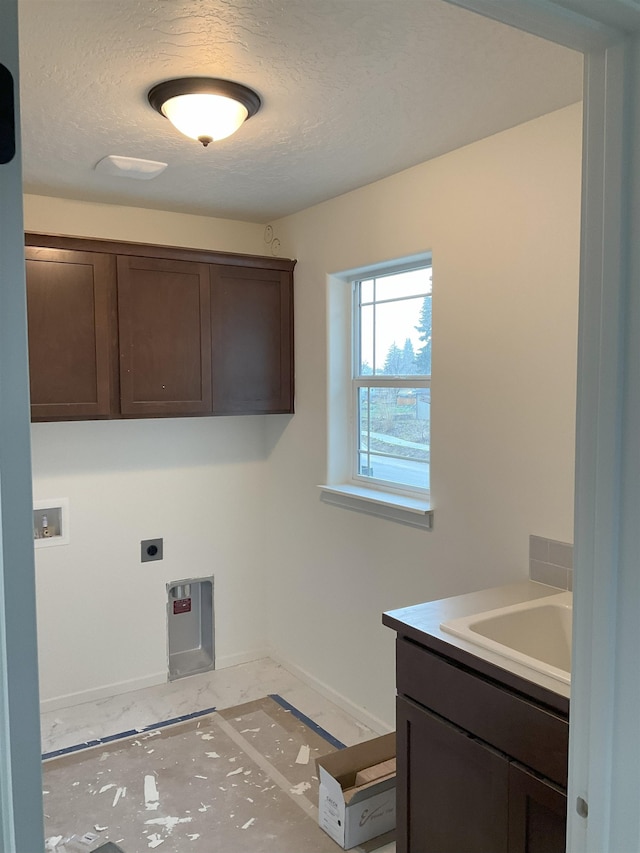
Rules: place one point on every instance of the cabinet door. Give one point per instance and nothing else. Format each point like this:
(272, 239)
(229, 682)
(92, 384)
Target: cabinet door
(252, 331)
(72, 338)
(537, 813)
(452, 790)
(165, 337)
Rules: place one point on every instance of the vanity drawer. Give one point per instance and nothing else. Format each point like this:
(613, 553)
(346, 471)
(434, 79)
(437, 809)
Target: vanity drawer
(521, 729)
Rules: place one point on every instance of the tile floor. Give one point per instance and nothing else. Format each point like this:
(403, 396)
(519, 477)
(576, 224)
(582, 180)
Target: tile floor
(219, 689)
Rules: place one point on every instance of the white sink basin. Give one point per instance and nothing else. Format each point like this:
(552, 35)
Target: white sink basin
(535, 633)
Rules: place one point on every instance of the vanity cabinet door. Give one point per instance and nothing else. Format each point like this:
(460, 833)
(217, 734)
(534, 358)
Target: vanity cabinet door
(252, 340)
(452, 789)
(72, 333)
(165, 337)
(537, 813)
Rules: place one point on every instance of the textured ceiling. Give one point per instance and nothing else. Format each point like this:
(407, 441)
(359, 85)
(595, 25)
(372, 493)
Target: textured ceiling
(352, 91)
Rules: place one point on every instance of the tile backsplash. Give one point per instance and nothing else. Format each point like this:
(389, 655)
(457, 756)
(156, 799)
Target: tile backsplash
(551, 562)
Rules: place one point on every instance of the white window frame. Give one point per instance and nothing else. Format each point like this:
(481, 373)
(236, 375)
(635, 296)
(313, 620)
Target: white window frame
(359, 381)
(344, 486)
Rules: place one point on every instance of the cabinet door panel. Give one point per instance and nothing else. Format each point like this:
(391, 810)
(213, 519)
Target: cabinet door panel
(452, 789)
(252, 358)
(165, 337)
(71, 305)
(537, 814)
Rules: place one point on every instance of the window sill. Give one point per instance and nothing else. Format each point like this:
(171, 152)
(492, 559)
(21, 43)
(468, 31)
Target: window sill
(412, 511)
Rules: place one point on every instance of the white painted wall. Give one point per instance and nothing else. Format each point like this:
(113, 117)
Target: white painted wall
(502, 219)
(197, 482)
(47, 215)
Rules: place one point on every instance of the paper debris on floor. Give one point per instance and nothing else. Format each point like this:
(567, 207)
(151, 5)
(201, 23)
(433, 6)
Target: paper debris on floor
(303, 754)
(151, 798)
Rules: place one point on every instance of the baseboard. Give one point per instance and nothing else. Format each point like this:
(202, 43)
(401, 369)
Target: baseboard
(225, 661)
(94, 694)
(338, 699)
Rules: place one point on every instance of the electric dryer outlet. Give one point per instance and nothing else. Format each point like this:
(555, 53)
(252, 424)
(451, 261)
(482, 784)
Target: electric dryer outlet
(150, 549)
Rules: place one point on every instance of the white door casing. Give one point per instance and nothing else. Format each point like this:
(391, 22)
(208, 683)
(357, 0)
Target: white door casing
(21, 822)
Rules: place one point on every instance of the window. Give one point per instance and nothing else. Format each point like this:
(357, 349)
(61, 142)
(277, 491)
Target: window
(379, 391)
(391, 385)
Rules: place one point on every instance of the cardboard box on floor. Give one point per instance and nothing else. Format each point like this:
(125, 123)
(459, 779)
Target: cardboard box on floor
(350, 814)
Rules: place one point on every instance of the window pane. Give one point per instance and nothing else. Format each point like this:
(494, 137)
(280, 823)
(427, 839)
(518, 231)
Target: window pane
(414, 283)
(366, 290)
(423, 349)
(366, 362)
(397, 338)
(393, 426)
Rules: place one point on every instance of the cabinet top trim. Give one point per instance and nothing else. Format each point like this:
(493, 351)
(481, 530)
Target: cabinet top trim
(150, 250)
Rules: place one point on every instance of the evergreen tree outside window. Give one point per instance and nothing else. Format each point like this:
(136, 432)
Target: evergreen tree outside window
(392, 331)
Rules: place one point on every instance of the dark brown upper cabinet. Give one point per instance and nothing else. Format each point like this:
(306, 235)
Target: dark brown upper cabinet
(134, 330)
(72, 344)
(165, 337)
(252, 352)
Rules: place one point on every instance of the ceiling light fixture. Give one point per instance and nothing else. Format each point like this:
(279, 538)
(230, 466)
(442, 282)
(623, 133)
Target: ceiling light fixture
(204, 108)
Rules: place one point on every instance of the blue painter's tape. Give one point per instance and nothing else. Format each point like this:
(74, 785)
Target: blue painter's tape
(133, 732)
(121, 735)
(307, 721)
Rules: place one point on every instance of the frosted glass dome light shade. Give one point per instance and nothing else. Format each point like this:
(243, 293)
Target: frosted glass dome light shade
(203, 108)
(202, 117)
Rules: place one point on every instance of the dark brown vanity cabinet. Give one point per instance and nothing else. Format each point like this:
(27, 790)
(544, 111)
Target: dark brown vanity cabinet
(537, 813)
(130, 330)
(452, 789)
(482, 767)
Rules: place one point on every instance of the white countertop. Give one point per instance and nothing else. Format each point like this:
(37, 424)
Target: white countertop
(420, 621)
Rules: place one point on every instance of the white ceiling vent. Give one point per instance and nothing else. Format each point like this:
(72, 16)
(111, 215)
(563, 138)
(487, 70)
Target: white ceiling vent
(130, 167)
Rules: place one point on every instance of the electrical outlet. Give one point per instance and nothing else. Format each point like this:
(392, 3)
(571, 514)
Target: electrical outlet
(150, 549)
